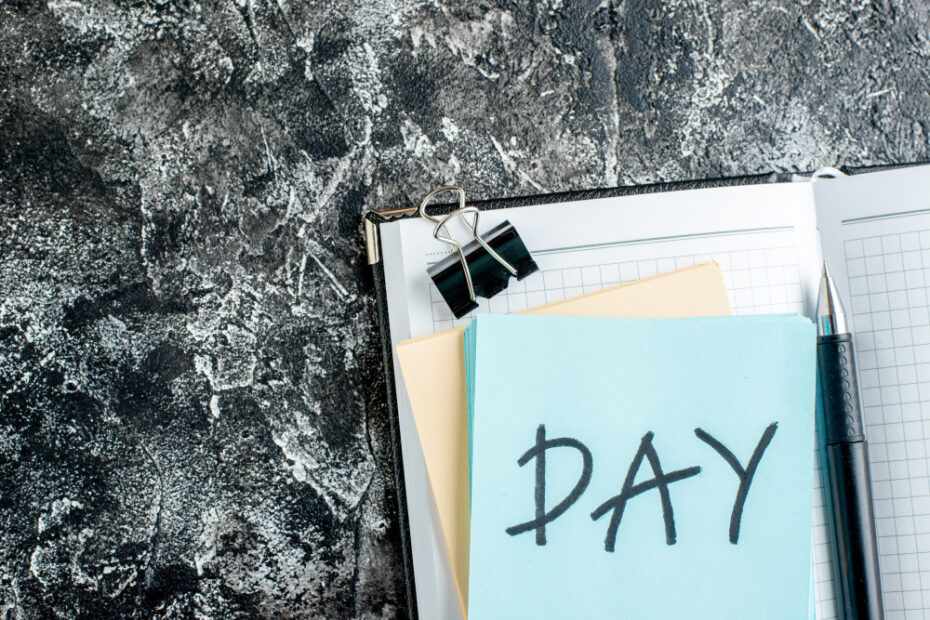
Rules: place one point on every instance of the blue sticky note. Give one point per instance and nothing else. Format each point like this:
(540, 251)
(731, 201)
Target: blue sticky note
(640, 468)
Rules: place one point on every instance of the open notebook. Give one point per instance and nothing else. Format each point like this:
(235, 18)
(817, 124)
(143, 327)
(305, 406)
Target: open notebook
(874, 231)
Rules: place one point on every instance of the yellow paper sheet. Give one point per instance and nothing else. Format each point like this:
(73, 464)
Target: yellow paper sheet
(433, 368)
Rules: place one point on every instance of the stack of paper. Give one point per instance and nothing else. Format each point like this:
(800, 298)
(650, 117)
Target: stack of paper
(434, 376)
(644, 468)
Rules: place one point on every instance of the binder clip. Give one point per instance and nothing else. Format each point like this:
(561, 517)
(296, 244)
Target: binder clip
(484, 266)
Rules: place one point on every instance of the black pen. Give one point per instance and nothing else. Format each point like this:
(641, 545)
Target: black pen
(849, 486)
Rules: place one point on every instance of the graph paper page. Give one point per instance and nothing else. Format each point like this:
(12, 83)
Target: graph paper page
(875, 237)
(763, 236)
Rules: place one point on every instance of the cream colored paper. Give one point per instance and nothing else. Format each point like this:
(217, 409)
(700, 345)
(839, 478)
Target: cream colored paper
(433, 369)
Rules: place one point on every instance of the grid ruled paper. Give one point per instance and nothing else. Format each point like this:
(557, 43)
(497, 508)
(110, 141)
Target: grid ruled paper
(888, 278)
(875, 236)
(761, 280)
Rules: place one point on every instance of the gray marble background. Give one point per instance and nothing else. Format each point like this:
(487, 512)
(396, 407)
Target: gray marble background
(191, 415)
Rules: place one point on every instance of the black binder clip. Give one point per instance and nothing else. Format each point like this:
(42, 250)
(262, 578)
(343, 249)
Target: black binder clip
(483, 266)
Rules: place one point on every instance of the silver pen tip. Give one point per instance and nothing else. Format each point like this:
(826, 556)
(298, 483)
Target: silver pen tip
(831, 316)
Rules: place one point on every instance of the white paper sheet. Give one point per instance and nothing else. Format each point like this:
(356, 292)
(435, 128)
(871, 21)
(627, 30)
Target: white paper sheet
(875, 235)
(763, 236)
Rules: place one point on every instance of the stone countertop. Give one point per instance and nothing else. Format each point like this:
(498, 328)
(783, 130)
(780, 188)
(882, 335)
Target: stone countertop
(191, 414)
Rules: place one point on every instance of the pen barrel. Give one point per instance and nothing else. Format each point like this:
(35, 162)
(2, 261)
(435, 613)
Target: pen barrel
(846, 454)
(836, 364)
(855, 547)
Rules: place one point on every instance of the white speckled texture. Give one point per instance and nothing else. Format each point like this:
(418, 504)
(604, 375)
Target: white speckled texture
(191, 416)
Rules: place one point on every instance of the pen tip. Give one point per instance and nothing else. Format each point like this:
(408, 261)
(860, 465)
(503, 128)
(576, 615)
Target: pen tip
(831, 318)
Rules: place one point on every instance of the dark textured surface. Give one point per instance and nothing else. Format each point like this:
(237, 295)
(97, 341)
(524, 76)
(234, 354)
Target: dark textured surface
(190, 408)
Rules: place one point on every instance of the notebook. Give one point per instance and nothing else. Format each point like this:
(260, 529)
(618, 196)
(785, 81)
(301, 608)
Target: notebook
(434, 380)
(604, 467)
(769, 238)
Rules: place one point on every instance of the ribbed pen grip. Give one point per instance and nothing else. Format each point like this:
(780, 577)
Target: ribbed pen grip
(839, 388)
